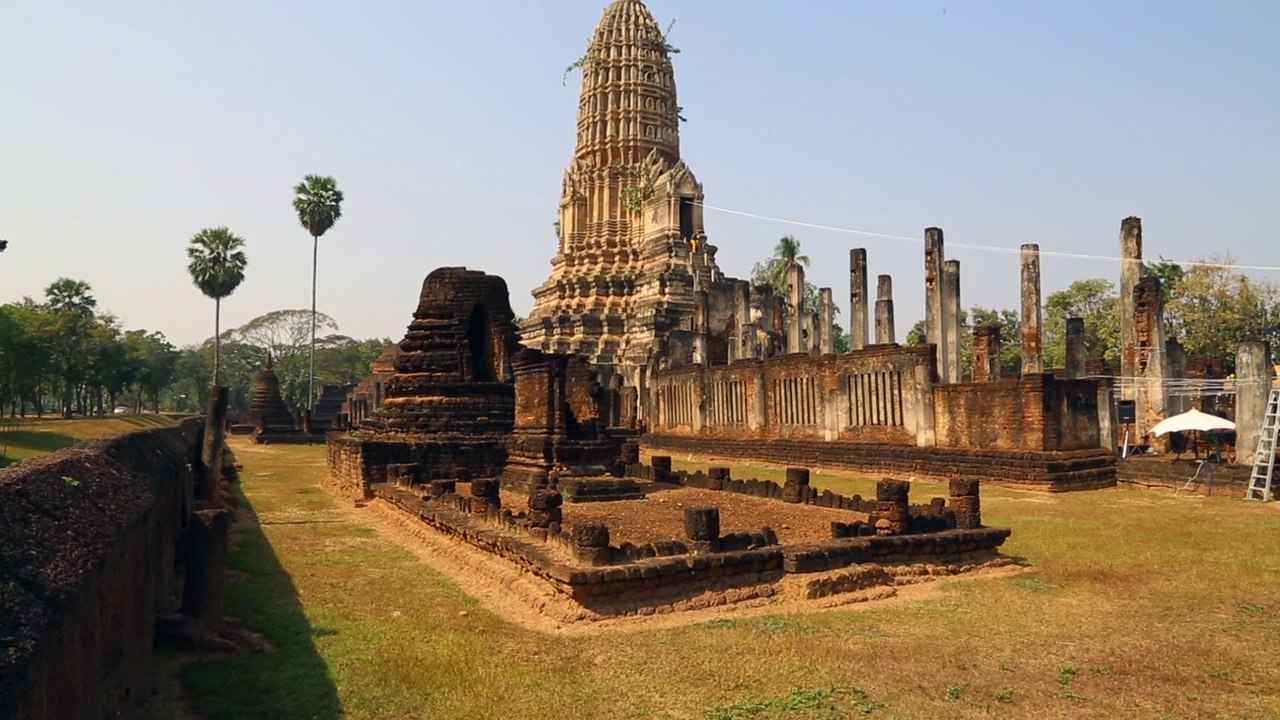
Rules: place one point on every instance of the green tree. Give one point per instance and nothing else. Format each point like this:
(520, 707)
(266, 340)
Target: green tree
(216, 263)
(72, 307)
(1010, 337)
(26, 355)
(1095, 301)
(1010, 325)
(318, 202)
(155, 361)
(1216, 307)
(773, 271)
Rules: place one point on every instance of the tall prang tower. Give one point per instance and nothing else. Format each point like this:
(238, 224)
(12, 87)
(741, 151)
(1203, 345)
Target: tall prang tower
(632, 252)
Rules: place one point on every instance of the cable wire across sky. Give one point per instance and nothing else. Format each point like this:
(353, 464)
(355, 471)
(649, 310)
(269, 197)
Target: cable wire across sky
(984, 248)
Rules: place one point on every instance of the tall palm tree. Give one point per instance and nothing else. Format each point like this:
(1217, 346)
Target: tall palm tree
(70, 296)
(785, 254)
(318, 202)
(217, 263)
(73, 307)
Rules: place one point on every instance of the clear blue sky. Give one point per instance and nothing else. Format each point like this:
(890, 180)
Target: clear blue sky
(126, 127)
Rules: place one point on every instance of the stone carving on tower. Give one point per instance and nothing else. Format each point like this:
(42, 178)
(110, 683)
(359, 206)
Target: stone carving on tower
(633, 253)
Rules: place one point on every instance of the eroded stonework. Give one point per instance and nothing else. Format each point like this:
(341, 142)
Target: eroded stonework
(450, 406)
(632, 250)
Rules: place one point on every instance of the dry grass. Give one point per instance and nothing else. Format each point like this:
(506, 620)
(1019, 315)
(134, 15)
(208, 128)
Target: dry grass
(1134, 605)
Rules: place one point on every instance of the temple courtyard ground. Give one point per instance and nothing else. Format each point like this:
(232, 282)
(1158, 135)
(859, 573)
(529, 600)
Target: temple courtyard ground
(1125, 603)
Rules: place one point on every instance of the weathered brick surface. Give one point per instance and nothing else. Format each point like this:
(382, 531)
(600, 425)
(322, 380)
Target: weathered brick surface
(1036, 412)
(87, 548)
(450, 405)
(560, 420)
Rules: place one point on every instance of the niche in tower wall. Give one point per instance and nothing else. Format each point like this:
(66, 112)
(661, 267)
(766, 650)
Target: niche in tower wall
(686, 217)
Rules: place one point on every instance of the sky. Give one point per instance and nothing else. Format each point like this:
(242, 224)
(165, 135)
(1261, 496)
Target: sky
(128, 126)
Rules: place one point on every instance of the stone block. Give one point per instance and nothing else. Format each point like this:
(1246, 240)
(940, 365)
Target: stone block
(702, 524)
(590, 535)
(895, 491)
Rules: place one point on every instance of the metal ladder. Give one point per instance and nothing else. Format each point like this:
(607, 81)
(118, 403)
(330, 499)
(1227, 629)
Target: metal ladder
(1264, 462)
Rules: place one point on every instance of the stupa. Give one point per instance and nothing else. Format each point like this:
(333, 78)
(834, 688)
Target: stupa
(270, 417)
(632, 253)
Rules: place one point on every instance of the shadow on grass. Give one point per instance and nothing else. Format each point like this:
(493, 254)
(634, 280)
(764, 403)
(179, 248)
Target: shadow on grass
(40, 441)
(290, 680)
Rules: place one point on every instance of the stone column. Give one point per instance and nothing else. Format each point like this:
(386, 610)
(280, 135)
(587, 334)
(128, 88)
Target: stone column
(1130, 273)
(986, 353)
(884, 311)
(892, 507)
(1107, 421)
(1032, 360)
(702, 528)
(1176, 369)
(1253, 383)
(924, 410)
(701, 311)
(826, 322)
(857, 298)
(749, 342)
(965, 503)
(951, 318)
(1149, 389)
(1075, 348)
(797, 485)
(743, 320)
(795, 296)
(933, 259)
(209, 479)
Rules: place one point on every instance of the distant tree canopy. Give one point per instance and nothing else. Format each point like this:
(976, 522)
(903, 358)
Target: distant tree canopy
(772, 271)
(1010, 337)
(286, 336)
(64, 355)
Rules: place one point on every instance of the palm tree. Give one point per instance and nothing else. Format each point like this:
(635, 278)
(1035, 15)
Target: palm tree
(72, 305)
(785, 254)
(70, 296)
(318, 202)
(217, 268)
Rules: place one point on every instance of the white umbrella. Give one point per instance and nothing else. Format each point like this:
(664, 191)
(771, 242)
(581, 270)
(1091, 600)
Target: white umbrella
(1192, 420)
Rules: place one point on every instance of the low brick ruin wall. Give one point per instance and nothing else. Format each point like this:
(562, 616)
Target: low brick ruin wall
(674, 575)
(1050, 471)
(356, 463)
(87, 545)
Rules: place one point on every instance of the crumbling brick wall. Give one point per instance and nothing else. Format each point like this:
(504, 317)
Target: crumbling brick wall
(87, 543)
(1035, 412)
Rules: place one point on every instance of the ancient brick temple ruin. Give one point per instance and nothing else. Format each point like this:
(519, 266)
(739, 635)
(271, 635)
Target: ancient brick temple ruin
(449, 408)
(716, 365)
(508, 450)
(634, 278)
(270, 418)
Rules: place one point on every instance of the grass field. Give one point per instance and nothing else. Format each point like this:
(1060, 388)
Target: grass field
(21, 438)
(1133, 605)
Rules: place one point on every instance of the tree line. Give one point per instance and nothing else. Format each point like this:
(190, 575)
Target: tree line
(64, 355)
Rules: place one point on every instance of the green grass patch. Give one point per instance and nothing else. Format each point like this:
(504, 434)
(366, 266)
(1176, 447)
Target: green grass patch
(816, 703)
(1151, 601)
